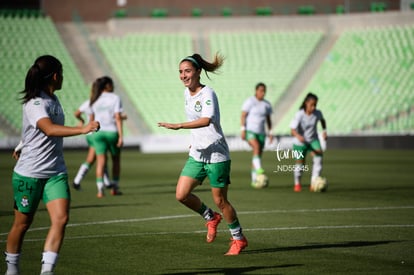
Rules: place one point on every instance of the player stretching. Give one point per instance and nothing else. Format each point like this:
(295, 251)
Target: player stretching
(304, 129)
(209, 154)
(256, 113)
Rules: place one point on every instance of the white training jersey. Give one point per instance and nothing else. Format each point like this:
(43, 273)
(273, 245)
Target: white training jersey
(104, 110)
(257, 112)
(208, 143)
(41, 156)
(86, 109)
(306, 125)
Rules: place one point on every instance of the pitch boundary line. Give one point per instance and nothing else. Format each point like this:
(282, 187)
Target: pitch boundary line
(320, 227)
(240, 213)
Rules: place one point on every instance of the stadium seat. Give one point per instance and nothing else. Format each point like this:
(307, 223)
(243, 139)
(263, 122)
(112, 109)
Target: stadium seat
(365, 79)
(17, 32)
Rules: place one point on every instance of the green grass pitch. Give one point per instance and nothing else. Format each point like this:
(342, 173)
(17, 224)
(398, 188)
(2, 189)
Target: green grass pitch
(363, 224)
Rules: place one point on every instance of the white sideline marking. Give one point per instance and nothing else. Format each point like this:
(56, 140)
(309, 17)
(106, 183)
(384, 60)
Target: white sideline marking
(321, 227)
(239, 213)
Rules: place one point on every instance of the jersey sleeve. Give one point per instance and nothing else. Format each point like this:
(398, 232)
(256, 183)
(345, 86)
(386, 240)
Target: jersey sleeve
(320, 115)
(269, 109)
(295, 121)
(35, 110)
(118, 105)
(208, 104)
(85, 108)
(247, 105)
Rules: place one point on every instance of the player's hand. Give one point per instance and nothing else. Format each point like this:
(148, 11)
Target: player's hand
(243, 135)
(300, 138)
(16, 154)
(172, 126)
(324, 135)
(92, 126)
(270, 138)
(120, 142)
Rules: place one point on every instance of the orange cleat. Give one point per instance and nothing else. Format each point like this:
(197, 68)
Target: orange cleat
(236, 246)
(297, 188)
(212, 227)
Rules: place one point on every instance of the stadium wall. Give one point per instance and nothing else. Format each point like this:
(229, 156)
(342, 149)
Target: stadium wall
(91, 11)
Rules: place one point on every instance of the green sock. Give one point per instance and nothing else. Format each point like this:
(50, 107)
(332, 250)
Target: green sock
(235, 230)
(206, 212)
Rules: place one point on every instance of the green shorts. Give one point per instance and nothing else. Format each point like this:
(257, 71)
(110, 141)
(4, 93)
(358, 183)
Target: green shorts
(104, 141)
(89, 140)
(29, 191)
(261, 138)
(218, 173)
(300, 151)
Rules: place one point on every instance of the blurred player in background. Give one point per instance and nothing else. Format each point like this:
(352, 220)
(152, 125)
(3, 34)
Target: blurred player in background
(40, 172)
(209, 154)
(256, 112)
(304, 129)
(107, 109)
(84, 108)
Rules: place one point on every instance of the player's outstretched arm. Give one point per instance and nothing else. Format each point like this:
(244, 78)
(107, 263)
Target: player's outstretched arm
(198, 123)
(55, 130)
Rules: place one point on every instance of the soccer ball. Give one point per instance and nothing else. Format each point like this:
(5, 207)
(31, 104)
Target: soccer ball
(262, 181)
(319, 184)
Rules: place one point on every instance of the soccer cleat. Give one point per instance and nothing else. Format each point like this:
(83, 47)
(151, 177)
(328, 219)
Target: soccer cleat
(115, 192)
(212, 227)
(76, 186)
(297, 188)
(311, 188)
(260, 171)
(236, 246)
(100, 194)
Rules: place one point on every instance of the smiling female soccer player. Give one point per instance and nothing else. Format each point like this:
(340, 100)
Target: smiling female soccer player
(209, 154)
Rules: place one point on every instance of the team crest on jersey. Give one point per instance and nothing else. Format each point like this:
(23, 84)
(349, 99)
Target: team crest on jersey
(198, 107)
(25, 201)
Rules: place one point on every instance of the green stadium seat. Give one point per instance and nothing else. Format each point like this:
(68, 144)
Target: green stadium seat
(366, 75)
(226, 12)
(17, 32)
(264, 11)
(196, 12)
(159, 13)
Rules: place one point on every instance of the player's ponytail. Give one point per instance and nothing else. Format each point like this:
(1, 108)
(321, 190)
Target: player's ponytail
(40, 75)
(98, 86)
(200, 63)
(309, 96)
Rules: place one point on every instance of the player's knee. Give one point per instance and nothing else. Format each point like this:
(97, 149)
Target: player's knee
(318, 153)
(181, 197)
(220, 202)
(61, 220)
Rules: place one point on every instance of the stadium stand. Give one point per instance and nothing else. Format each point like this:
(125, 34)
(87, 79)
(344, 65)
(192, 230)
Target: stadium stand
(26, 37)
(365, 81)
(146, 65)
(142, 60)
(257, 56)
